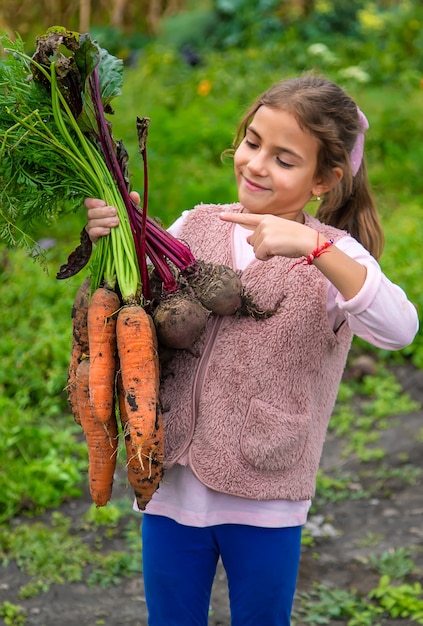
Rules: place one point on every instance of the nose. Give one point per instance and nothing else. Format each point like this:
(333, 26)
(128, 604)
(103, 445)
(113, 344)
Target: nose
(257, 163)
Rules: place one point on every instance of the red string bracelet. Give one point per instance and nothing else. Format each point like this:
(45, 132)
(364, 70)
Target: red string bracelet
(318, 251)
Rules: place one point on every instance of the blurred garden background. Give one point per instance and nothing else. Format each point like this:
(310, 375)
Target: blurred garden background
(192, 67)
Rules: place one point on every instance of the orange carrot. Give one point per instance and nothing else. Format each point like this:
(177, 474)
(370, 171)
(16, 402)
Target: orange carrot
(102, 311)
(155, 341)
(102, 440)
(144, 478)
(139, 368)
(79, 345)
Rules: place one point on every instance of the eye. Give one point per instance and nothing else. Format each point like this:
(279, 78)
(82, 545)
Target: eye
(250, 144)
(284, 163)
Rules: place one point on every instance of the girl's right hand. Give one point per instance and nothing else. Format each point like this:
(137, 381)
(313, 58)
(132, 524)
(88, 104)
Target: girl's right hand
(101, 217)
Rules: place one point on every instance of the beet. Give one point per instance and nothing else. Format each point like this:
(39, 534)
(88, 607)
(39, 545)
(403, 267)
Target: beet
(217, 287)
(179, 320)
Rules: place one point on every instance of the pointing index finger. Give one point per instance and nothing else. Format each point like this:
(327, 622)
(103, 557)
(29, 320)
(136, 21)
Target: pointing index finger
(248, 220)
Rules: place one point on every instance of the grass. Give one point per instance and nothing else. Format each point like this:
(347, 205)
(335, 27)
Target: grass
(59, 551)
(387, 600)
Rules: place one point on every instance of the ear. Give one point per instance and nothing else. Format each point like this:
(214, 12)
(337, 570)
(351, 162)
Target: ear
(321, 187)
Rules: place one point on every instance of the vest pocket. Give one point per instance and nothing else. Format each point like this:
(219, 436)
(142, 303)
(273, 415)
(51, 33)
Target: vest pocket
(272, 439)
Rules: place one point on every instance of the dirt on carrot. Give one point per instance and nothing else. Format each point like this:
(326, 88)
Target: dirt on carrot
(139, 369)
(138, 391)
(79, 346)
(144, 477)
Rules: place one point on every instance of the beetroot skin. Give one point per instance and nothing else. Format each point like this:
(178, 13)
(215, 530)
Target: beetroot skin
(218, 288)
(179, 320)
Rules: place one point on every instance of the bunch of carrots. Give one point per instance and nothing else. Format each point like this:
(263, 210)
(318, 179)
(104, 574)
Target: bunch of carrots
(114, 374)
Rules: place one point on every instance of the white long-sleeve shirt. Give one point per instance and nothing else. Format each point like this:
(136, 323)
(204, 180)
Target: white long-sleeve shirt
(380, 313)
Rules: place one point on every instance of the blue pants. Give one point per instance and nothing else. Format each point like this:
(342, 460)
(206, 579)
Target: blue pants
(179, 565)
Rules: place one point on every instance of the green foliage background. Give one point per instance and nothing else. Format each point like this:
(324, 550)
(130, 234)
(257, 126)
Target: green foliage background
(376, 56)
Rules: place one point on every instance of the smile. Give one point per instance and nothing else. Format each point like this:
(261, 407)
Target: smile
(252, 186)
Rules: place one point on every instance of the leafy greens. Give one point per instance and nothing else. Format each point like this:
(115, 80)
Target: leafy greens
(57, 148)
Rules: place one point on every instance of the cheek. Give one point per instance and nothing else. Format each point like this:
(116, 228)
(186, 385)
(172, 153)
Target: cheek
(238, 162)
(242, 154)
(237, 157)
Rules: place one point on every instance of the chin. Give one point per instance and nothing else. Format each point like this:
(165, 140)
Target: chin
(249, 205)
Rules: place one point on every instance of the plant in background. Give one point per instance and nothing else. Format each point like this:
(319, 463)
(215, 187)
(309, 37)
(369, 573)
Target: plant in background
(337, 16)
(404, 234)
(41, 463)
(323, 55)
(393, 563)
(323, 604)
(12, 614)
(53, 554)
(354, 74)
(103, 516)
(386, 476)
(359, 424)
(337, 488)
(237, 23)
(372, 20)
(404, 600)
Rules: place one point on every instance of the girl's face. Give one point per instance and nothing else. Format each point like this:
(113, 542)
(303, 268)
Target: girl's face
(275, 166)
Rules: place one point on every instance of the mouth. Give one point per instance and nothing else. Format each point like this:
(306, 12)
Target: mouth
(251, 185)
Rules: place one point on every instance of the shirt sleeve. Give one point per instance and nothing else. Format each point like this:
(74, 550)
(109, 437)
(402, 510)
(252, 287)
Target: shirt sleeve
(380, 313)
(175, 228)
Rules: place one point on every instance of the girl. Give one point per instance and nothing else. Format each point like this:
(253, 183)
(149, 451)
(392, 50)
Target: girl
(246, 412)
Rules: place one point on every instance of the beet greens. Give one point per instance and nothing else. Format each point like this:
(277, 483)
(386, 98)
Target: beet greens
(57, 147)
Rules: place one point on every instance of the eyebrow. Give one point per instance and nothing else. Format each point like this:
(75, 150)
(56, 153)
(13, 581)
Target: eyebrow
(277, 148)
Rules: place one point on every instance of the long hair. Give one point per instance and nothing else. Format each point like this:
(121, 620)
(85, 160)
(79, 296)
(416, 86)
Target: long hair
(326, 112)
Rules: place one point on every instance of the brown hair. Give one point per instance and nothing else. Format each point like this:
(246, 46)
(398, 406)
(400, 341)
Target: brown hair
(325, 111)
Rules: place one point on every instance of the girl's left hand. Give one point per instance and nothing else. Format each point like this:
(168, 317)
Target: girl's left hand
(275, 236)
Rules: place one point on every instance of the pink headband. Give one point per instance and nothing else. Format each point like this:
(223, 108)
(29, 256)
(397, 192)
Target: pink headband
(357, 152)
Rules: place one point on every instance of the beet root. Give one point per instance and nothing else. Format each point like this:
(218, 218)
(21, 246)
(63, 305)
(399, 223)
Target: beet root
(217, 287)
(179, 319)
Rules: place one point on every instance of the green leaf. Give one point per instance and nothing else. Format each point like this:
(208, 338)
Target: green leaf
(87, 57)
(110, 79)
(110, 76)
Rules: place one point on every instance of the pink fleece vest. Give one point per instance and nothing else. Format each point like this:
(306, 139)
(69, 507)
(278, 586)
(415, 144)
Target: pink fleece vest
(249, 406)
